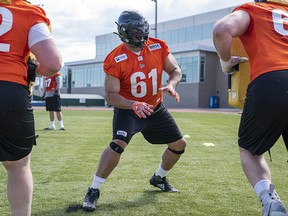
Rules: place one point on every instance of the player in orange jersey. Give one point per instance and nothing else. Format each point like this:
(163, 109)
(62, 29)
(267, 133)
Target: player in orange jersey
(263, 30)
(53, 100)
(133, 86)
(23, 28)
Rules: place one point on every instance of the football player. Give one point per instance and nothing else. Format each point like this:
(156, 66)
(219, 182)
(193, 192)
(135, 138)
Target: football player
(51, 95)
(262, 29)
(133, 86)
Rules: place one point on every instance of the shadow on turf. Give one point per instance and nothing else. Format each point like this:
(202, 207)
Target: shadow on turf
(147, 198)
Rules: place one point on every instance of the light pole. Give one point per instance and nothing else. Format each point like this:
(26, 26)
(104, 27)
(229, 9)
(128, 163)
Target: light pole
(155, 18)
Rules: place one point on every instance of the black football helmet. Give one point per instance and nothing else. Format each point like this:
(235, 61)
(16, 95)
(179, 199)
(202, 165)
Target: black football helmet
(132, 28)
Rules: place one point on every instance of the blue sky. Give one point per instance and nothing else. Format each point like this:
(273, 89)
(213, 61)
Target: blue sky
(75, 23)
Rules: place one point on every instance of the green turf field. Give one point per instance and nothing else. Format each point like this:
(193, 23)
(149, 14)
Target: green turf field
(210, 178)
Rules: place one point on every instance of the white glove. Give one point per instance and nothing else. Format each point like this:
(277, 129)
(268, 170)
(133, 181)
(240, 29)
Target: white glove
(227, 67)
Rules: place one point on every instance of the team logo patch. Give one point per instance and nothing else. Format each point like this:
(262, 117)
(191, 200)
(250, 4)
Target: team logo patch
(122, 133)
(154, 46)
(120, 58)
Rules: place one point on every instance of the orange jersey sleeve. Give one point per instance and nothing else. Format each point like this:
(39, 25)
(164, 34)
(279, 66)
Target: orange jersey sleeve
(140, 75)
(266, 39)
(16, 19)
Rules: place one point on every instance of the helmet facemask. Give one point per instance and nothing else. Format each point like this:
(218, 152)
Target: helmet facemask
(133, 28)
(133, 34)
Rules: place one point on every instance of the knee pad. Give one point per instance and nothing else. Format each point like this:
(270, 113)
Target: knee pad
(177, 152)
(116, 147)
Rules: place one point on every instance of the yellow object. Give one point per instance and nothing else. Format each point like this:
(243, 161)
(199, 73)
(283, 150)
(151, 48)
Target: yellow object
(239, 80)
(5, 1)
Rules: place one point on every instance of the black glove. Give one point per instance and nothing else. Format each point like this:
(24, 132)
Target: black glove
(43, 97)
(31, 72)
(56, 93)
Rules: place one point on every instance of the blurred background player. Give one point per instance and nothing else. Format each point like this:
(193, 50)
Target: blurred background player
(261, 26)
(24, 28)
(133, 86)
(52, 98)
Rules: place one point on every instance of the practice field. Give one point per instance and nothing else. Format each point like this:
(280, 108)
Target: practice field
(208, 175)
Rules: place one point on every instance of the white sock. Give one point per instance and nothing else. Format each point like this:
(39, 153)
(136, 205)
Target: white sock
(97, 182)
(260, 187)
(161, 172)
(52, 124)
(61, 124)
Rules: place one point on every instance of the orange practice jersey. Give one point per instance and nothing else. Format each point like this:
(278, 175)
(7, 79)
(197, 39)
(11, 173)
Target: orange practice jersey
(50, 82)
(16, 19)
(140, 75)
(266, 44)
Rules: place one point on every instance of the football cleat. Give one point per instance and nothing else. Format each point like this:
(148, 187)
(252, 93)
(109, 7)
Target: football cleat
(63, 129)
(90, 199)
(50, 128)
(162, 183)
(274, 206)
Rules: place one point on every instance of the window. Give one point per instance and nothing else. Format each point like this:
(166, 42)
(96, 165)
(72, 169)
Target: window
(202, 69)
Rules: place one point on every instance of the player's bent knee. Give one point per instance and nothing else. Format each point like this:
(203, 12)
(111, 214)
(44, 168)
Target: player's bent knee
(114, 146)
(177, 152)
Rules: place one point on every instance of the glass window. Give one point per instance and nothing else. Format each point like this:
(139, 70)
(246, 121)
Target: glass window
(182, 35)
(207, 30)
(202, 69)
(189, 68)
(198, 32)
(189, 34)
(174, 37)
(167, 37)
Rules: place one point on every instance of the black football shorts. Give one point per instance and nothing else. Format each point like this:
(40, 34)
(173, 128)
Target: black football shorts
(17, 132)
(265, 113)
(159, 128)
(53, 103)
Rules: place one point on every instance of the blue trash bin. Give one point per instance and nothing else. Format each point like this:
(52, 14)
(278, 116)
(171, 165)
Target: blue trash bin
(214, 102)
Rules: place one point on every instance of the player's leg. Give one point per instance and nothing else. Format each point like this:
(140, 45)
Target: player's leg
(172, 154)
(110, 158)
(58, 110)
(50, 109)
(52, 121)
(123, 131)
(163, 129)
(60, 120)
(262, 123)
(169, 158)
(19, 186)
(255, 167)
(16, 142)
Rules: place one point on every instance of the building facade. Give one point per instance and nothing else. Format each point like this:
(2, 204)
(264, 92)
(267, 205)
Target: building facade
(190, 41)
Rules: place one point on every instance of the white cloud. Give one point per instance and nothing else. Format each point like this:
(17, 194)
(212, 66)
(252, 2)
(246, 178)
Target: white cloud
(76, 23)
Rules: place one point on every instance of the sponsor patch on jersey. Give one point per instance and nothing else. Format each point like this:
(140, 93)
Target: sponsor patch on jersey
(154, 46)
(122, 133)
(120, 58)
